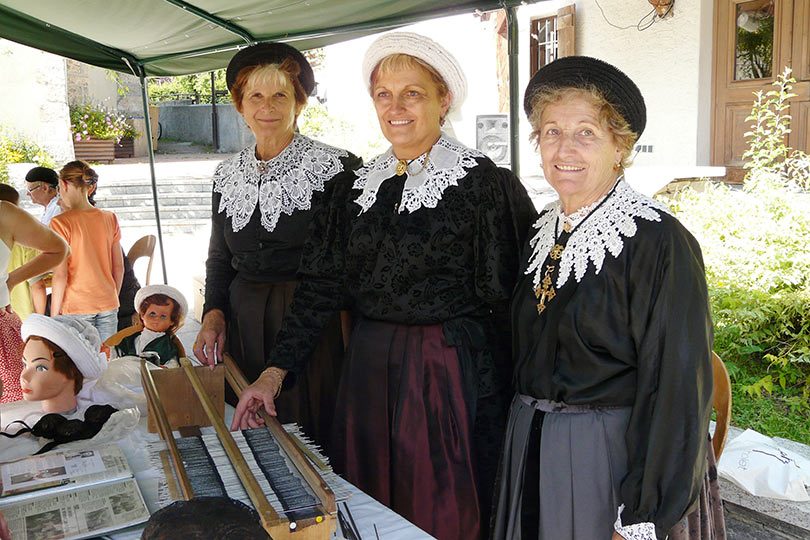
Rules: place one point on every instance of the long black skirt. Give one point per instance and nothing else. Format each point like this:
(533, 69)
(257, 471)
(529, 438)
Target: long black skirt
(257, 310)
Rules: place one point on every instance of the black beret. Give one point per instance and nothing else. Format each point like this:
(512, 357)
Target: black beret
(584, 71)
(270, 53)
(205, 518)
(42, 174)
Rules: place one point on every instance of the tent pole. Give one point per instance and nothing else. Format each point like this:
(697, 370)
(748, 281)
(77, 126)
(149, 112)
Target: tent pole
(514, 91)
(151, 152)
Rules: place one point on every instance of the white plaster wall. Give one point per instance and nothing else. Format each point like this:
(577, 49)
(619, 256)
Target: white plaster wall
(469, 39)
(670, 62)
(34, 97)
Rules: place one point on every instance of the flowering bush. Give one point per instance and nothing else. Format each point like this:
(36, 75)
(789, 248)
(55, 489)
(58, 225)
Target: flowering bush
(87, 121)
(16, 148)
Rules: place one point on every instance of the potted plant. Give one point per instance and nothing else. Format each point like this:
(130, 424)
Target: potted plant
(125, 147)
(96, 131)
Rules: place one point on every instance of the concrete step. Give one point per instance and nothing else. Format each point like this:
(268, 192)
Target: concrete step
(132, 187)
(168, 225)
(138, 213)
(145, 199)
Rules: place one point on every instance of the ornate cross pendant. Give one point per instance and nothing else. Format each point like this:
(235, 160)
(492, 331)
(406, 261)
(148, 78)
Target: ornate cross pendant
(545, 292)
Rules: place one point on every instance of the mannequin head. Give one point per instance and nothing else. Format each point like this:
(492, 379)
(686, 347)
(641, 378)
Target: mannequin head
(159, 313)
(61, 356)
(49, 376)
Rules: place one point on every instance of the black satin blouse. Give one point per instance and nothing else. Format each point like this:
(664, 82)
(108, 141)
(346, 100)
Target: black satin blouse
(637, 334)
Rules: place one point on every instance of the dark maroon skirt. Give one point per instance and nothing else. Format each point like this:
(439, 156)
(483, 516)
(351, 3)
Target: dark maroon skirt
(403, 433)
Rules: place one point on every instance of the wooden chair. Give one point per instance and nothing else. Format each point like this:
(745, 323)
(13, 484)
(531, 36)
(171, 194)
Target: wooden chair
(722, 404)
(116, 338)
(143, 247)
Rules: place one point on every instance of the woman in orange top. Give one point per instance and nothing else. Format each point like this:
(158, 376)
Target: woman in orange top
(86, 284)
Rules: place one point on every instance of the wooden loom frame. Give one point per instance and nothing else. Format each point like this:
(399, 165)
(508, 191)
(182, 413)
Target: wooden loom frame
(278, 527)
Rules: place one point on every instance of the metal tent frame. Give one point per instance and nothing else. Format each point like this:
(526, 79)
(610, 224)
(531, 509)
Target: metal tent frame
(179, 37)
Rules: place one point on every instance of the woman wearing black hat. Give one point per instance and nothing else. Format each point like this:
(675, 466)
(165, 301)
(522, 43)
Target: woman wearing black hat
(263, 200)
(608, 432)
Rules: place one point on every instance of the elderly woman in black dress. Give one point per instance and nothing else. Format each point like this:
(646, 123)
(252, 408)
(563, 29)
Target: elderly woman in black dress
(608, 434)
(263, 200)
(422, 243)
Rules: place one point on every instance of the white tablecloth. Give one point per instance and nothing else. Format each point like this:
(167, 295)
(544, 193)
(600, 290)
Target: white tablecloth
(366, 511)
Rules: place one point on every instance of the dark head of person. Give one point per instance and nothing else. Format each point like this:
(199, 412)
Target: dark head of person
(9, 194)
(586, 116)
(42, 184)
(205, 518)
(275, 61)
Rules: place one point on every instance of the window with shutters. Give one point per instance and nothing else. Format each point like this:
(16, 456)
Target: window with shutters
(543, 42)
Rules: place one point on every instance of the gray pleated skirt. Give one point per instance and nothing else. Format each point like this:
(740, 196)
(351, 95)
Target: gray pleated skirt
(583, 459)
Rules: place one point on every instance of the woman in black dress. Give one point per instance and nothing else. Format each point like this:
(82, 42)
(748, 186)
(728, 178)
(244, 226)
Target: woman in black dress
(608, 433)
(422, 243)
(263, 200)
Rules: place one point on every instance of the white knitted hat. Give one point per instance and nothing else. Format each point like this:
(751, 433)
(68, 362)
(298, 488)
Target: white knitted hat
(79, 339)
(424, 49)
(168, 290)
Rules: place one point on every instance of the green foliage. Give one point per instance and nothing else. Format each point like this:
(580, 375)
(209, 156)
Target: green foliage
(768, 158)
(316, 122)
(756, 247)
(3, 172)
(188, 86)
(90, 121)
(16, 148)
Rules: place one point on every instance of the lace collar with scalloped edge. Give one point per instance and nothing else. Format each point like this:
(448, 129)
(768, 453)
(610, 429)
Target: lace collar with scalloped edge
(449, 161)
(602, 233)
(279, 185)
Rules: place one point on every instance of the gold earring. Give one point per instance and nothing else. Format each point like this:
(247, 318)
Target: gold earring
(617, 165)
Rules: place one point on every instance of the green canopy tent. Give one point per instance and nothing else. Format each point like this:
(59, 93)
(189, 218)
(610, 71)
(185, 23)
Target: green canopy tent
(176, 37)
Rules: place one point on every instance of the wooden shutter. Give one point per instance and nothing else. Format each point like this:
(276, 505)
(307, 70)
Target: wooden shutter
(566, 31)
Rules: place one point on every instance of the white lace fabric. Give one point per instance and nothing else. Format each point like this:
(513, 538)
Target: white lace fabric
(637, 531)
(284, 183)
(603, 232)
(449, 161)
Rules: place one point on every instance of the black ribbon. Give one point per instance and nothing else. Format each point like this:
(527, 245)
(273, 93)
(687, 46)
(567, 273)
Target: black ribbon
(61, 430)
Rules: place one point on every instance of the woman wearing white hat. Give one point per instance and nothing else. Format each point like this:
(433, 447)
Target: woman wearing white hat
(422, 242)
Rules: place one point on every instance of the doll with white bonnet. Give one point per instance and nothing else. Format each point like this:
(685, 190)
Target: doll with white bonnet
(61, 354)
(161, 309)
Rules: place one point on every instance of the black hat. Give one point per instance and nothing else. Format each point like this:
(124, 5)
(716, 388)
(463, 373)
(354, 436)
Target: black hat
(42, 174)
(270, 53)
(204, 518)
(583, 71)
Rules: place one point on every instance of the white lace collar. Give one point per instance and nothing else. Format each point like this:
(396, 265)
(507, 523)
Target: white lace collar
(449, 161)
(603, 231)
(282, 184)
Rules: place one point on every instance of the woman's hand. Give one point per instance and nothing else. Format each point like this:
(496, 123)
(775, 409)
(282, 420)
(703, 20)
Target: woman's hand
(211, 338)
(260, 394)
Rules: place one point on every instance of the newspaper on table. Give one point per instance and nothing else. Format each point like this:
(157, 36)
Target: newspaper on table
(70, 494)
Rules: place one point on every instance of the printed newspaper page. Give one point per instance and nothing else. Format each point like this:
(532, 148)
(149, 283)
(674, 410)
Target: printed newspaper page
(81, 513)
(24, 478)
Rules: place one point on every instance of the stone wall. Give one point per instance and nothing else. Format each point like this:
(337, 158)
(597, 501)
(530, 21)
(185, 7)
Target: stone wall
(34, 98)
(193, 123)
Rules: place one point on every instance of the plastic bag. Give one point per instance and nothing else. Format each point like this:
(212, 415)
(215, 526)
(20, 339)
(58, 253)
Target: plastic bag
(758, 465)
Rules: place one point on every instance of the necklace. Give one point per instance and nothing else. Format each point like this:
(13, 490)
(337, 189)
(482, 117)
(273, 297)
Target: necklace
(402, 165)
(545, 291)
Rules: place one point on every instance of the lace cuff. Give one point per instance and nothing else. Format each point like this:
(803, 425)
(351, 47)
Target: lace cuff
(637, 531)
